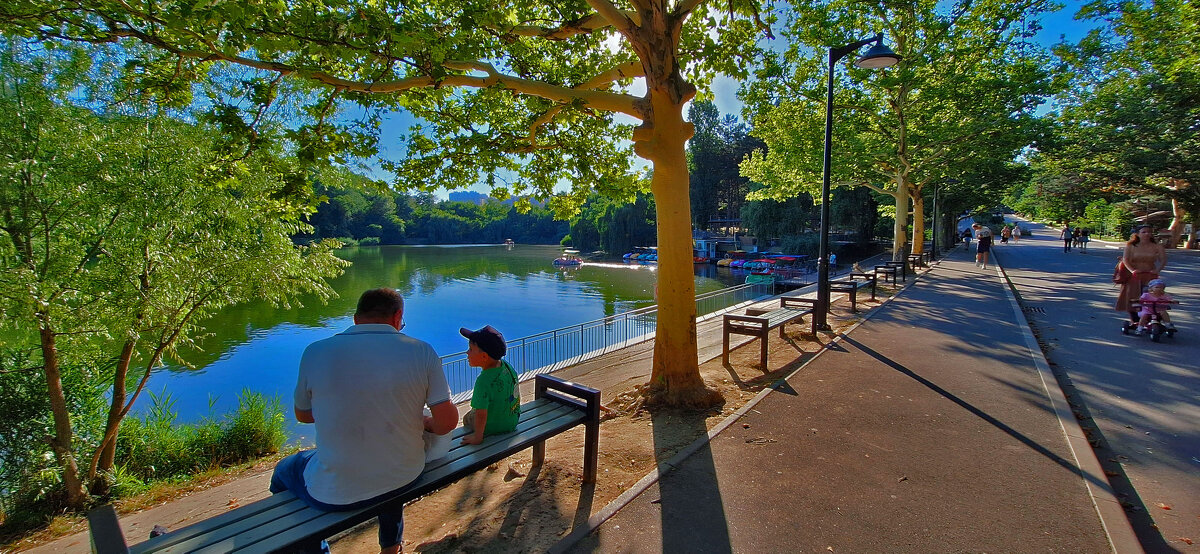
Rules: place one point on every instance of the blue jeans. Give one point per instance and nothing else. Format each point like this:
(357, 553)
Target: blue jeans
(289, 476)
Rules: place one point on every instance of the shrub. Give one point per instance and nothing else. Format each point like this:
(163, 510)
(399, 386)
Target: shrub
(154, 448)
(369, 241)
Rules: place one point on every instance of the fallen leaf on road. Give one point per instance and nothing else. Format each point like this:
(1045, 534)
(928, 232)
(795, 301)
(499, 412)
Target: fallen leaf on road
(233, 503)
(759, 440)
(1163, 506)
(1186, 540)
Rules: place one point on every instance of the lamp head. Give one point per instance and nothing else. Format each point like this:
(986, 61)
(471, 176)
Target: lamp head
(878, 56)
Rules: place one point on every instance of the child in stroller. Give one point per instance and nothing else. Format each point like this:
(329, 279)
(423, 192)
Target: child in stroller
(1154, 303)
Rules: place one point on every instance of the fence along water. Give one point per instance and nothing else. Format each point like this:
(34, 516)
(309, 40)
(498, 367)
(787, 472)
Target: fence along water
(553, 350)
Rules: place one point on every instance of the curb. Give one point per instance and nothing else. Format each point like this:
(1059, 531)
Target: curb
(665, 467)
(1117, 528)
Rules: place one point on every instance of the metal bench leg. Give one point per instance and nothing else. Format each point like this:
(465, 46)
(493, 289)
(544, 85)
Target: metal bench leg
(106, 531)
(854, 299)
(591, 451)
(539, 453)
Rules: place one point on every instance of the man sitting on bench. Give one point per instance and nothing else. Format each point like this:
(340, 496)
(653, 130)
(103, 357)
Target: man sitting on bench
(366, 388)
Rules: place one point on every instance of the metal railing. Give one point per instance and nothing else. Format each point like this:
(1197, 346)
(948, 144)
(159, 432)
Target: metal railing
(566, 346)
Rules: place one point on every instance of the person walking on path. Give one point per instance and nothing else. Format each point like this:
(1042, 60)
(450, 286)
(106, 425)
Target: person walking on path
(1066, 237)
(984, 237)
(1005, 234)
(1145, 257)
(1016, 233)
(365, 389)
(1084, 237)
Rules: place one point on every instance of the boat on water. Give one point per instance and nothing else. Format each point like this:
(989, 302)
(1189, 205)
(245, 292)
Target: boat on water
(568, 258)
(642, 254)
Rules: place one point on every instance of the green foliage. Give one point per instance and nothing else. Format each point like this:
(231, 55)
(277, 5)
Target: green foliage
(155, 447)
(120, 232)
(30, 477)
(361, 212)
(771, 218)
(1128, 124)
(961, 99)
(717, 189)
(614, 227)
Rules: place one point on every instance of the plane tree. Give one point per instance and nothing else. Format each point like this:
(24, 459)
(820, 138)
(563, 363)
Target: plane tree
(965, 91)
(1129, 123)
(524, 96)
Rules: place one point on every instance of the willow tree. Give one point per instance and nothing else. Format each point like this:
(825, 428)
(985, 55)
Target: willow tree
(964, 91)
(521, 95)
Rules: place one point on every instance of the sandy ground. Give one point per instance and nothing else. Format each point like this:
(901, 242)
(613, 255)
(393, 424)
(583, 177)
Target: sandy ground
(518, 508)
(513, 506)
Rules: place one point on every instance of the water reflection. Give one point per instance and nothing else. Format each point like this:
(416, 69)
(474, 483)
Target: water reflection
(515, 289)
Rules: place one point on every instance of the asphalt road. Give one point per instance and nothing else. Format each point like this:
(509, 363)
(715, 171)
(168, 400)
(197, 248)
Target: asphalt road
(1140, 398)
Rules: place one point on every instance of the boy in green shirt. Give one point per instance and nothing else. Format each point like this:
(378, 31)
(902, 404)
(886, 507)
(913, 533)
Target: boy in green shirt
(495, 402)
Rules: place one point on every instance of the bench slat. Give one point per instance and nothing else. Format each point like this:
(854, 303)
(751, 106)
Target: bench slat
(282, 521)
(185, 534)
(330, 523)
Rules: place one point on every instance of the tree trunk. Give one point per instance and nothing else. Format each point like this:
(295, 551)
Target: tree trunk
(918, 211)
(675, 377)
(1176, 227)
(63, 437)
(899, 234)
(108, 448)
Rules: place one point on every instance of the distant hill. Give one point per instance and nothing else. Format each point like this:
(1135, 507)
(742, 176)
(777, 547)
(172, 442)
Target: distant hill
(468, 196)
(472, 197)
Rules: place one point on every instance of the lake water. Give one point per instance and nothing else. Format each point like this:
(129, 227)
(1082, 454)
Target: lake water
(517, 290)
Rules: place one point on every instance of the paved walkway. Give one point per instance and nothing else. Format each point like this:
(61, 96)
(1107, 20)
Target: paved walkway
(934, 426)
(1139, 401)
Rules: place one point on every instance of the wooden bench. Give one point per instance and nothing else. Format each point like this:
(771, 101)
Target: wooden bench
(791, 309)
(888, 272)
(900, 266)
(918, 260)
(283, 522)
(851, 285)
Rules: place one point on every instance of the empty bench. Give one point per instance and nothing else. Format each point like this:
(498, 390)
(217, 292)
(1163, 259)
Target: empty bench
(851, 284)
(790, 310)
(282, 522)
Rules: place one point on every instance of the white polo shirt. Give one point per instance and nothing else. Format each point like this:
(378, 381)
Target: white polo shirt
(366, 388)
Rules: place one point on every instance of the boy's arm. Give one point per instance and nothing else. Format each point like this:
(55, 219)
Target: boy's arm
(480, 423)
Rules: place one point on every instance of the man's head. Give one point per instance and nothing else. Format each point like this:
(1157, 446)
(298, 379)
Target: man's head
(382, 305)
(486, 342)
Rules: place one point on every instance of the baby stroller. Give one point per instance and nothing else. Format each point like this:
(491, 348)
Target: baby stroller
(1156, 327)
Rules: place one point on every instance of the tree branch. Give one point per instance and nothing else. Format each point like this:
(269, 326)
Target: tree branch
(618, 19)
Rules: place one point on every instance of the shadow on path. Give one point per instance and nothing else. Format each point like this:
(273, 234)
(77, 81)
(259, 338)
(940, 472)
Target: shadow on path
(1032, 444)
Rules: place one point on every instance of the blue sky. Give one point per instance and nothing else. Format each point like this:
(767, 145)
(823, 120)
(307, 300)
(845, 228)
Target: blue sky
(1056, 27)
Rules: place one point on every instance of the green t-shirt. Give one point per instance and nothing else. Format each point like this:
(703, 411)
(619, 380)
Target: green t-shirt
(496, 391)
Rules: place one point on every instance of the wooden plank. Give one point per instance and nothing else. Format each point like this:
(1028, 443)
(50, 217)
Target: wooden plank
(275, 501)
(282, 520)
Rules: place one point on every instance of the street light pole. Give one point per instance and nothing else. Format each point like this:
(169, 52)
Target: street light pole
(877, 57)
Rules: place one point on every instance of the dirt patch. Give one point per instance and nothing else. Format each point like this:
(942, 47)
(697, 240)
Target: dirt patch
(515, 504)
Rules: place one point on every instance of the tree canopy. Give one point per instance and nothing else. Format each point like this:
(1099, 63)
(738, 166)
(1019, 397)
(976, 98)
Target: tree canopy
(1128, 124)
(962, 96)
(119, 232)
(525, 89)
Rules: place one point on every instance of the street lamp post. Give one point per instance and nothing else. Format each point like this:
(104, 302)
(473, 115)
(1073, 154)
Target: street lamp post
(877, 57)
